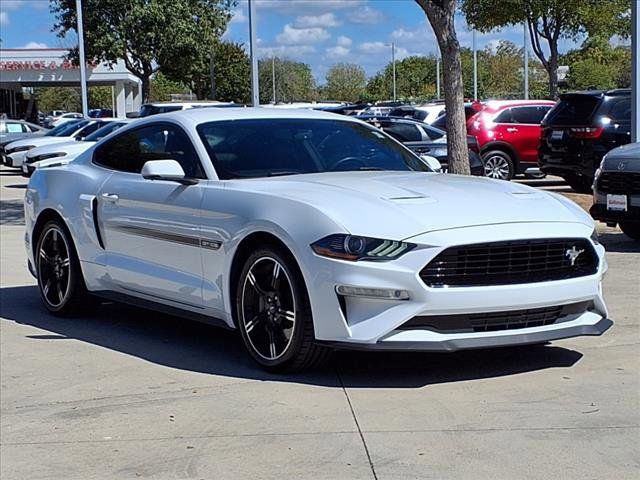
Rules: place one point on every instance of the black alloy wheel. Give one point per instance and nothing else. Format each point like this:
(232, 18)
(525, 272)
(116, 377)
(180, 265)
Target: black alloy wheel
(273, 313)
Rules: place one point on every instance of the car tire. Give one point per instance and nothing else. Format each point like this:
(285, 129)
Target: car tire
(498, 164)
(631, 229)
(60, 281)
(580, 183)
(273, 313)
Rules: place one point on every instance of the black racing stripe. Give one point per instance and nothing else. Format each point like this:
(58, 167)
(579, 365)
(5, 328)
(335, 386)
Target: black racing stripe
(169, 237)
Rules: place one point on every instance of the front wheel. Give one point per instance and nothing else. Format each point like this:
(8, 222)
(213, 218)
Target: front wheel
(273, 313)
(631, 229)
(498, 164)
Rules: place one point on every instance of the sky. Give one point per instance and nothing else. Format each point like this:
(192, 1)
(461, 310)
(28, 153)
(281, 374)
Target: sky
(317, 32)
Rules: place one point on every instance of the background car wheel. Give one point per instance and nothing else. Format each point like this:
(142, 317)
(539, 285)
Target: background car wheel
(60, 279)
(498, 164)
(631, 229)
(273, 313)
(579, 183)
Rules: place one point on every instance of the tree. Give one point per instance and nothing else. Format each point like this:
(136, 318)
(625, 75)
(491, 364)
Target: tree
(161, 88)
(346, 82)
(100, 97)
(548, 22)
(441, 15)
(146, 34)
(294, 81)
(58, 98)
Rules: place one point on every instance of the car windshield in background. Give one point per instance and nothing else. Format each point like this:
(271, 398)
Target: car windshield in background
(66, 129)
(147, 110)
(104, 131)
(271, 147)
(573, 110)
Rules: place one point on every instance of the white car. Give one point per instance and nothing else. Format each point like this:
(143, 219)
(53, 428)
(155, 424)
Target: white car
(307, 231)
(165, 107)
(15, 152)
(65, 152)
(65, 118)
(429, 112)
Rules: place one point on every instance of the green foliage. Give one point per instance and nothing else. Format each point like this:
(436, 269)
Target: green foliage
(58, 98)
(162, 88)
(294, 81)
(415, 80)
(147, 34)
(589, 74)
(100, 97)
(597, 64)
(346, 82)
(232, 73)
(549, 21)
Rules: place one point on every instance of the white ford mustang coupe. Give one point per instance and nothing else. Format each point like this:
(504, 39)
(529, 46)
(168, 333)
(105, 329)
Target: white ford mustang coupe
(308, 231)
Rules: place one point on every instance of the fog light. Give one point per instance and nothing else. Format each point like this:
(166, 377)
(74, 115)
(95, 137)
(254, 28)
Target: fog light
(383, 293)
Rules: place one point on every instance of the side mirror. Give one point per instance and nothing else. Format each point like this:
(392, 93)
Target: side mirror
(166, 170)
(433, 162)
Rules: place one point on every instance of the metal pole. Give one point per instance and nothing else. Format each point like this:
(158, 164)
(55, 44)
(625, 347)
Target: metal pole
(526, 61)
(438, 77)
(393, 60)
(635, 73)
(475, 67)
(83, 63)
(273, 79)
(255, 90)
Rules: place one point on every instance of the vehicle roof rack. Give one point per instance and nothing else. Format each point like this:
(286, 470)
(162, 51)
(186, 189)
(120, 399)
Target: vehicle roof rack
(618, 91)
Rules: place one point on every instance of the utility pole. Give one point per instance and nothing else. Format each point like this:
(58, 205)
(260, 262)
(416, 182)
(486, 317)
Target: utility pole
(83, 62)
(255, 89)
(273, 79)
(393, 60)
(526, 61)
(635, 73)
(438, 77)
(475, 67)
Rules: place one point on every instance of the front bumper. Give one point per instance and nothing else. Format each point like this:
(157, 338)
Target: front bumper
(379, 323)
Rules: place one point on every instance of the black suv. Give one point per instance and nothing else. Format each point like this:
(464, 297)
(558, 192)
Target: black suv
(580, 130)
(424, 139)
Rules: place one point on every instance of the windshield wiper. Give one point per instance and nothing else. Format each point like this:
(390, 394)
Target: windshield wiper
(282, 173)
(377, 169)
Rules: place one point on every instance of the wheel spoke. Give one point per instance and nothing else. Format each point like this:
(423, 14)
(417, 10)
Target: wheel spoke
(46, 288)
(287, 318)
(272, 345)
(276, 273)
(65, 263)
(251, 324)
(46, 257)
(254, 283)
(60, 292)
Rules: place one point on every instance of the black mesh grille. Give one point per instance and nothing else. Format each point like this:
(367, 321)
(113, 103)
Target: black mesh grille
(623, 183)
(494, 321)
(506, 263)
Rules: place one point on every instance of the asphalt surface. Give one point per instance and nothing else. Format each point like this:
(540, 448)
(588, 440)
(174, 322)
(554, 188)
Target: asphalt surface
(125, 393)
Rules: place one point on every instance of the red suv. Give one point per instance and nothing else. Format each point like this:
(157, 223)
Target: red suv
(508, 133)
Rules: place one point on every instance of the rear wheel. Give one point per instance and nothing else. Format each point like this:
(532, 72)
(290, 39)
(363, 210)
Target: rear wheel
(498, 164)
(60, 281)
(579, 183)
(273, 313)
(631, 229)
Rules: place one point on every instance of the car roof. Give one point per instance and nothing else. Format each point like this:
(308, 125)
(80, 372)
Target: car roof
(187, 104)
(197, 116)
(495, 105)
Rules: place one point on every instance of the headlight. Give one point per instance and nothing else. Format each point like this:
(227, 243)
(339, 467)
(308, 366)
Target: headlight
(594, 237)
(354, 248)
(45, 156)
(20, 149)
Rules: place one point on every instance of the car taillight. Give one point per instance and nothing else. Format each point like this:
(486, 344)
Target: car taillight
(586, 132)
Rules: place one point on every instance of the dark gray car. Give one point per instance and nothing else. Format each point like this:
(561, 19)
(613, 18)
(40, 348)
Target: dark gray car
(616, 190)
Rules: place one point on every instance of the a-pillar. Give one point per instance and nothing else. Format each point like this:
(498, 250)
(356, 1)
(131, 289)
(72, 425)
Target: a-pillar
(121, 100)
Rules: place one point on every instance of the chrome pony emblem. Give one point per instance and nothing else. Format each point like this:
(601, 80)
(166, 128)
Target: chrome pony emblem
(573, 253)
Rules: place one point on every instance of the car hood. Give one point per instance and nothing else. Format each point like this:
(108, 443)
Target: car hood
(68, 147)
(37, 141)
(399, 205)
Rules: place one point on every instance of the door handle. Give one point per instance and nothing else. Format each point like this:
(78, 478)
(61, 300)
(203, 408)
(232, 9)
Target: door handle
(512, 129)
(110, 197)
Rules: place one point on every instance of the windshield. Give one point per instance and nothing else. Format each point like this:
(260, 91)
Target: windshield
(270, 147)
(149, 109)
(66, 129)
(103, 131)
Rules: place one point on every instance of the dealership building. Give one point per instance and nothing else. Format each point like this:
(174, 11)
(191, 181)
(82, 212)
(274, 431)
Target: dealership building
(22, 69)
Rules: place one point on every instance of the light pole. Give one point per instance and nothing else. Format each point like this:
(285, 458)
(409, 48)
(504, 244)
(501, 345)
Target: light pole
(255, 91)
(83, 63)
(475, 67)
(526, 61)
(438, 77)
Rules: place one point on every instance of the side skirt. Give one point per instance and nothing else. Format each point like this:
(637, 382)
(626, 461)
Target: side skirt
(160, 307)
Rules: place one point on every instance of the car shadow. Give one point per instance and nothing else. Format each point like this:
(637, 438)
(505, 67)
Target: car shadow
(186, 345)
(11, 212)
(618, 242)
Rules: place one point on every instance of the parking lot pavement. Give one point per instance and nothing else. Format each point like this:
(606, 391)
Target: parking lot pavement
(125, 393)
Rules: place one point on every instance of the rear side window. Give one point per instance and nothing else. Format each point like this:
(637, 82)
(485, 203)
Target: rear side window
(504, 117)
(620, 110)
(147, 110)
(573, 110)
(529, 115)
(403, 132)
(130, 151)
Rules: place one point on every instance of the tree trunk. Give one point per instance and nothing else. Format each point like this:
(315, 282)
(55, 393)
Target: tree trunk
(441, 15)
(146, 88)
(553, 73)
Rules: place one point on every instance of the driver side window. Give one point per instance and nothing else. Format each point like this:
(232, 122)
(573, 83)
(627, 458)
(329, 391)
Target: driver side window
(130, 151)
